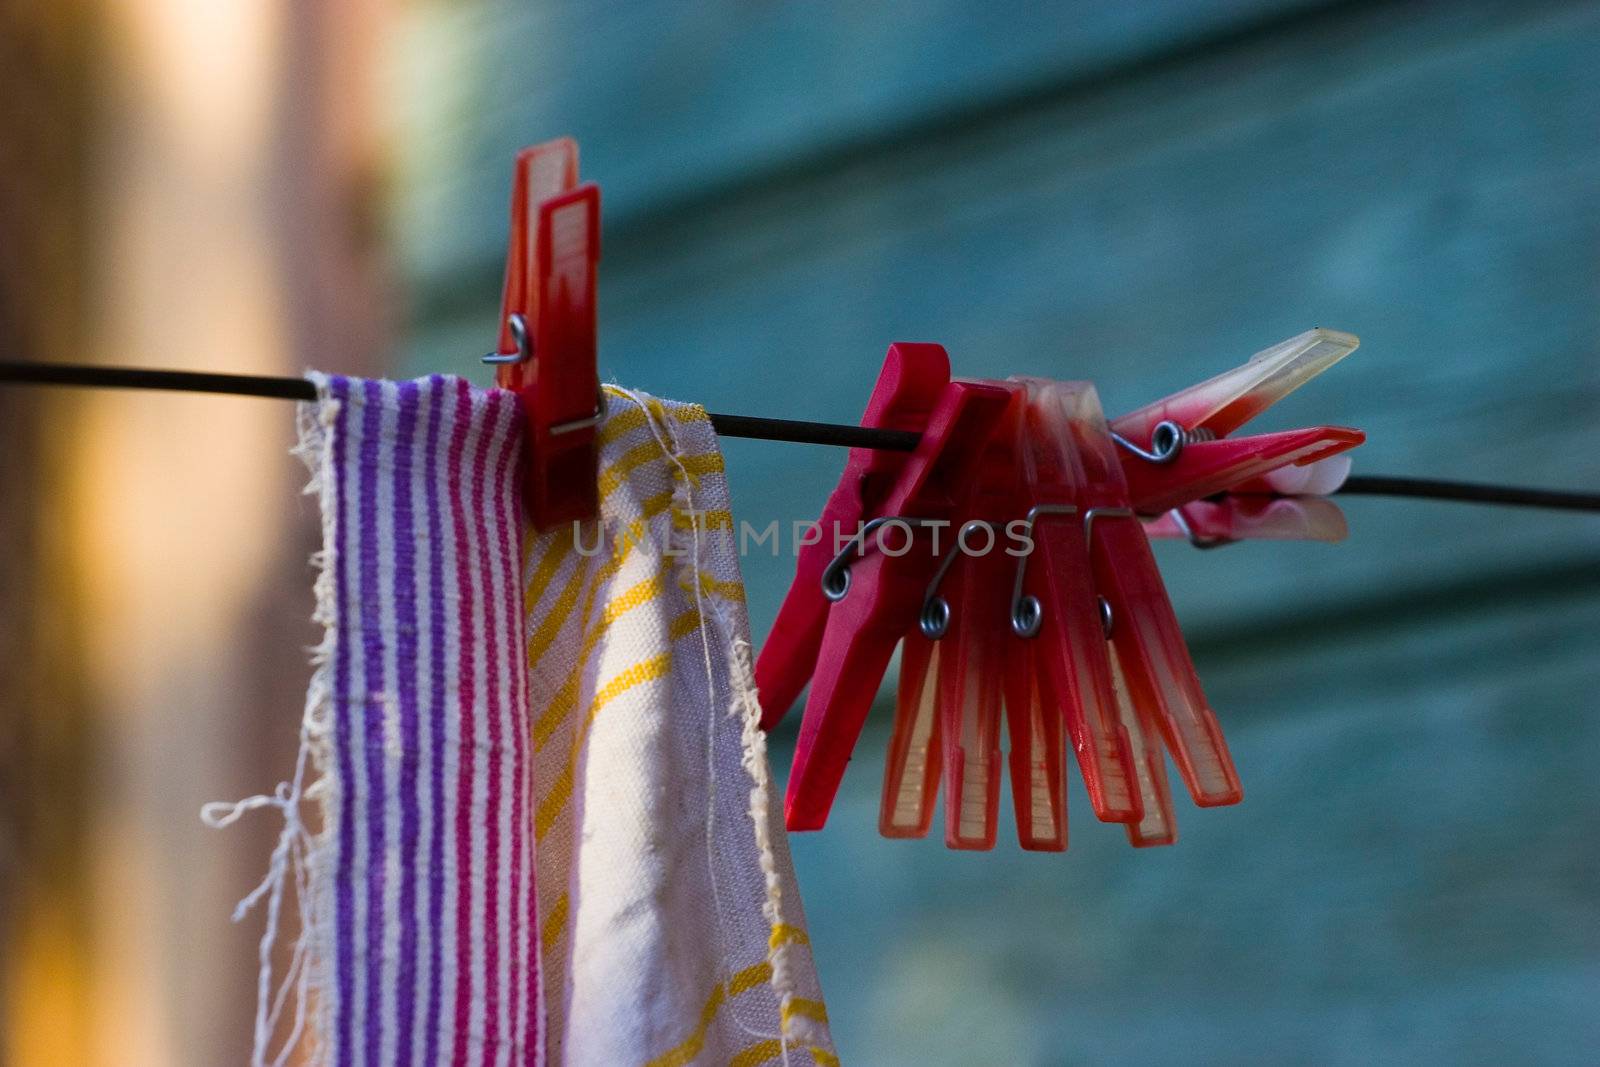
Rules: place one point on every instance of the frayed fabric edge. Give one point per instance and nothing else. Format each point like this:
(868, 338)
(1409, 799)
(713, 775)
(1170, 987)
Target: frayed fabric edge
(302, 859)
(746, 707)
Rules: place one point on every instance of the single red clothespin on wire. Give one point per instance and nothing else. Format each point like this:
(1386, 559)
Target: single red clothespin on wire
(1281, 499)
(1061, 618)
(1177, 449)
(876, 584)
(546, 351)
(911, 382)
(1158, 691)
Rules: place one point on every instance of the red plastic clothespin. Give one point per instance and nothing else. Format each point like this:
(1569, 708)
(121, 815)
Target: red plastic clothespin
(1174, 447)
(911, 382)
(876, 583)
(1062, 659)
(953, 662)
(1157, 687)
(546, 351)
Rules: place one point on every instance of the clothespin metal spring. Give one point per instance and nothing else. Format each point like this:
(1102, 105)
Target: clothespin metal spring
(836, 576)
(1166, 441)
(518, 323)
(1027, 614)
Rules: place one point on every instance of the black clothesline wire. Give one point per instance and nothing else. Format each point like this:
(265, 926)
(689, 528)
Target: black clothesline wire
(749, 426)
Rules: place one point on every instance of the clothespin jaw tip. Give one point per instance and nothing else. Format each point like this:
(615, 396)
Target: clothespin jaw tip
(1222, 404)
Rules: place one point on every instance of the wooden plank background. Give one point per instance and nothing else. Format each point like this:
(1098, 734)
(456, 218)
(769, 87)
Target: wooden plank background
(1141, 195)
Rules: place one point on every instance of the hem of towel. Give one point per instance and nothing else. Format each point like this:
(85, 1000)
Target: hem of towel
(315, 433)
(299, 861)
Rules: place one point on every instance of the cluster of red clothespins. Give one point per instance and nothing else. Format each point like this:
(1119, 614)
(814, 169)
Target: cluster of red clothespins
(1042, 596)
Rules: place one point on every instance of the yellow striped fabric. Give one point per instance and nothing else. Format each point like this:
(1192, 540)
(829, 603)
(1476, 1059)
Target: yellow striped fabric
(670, 926)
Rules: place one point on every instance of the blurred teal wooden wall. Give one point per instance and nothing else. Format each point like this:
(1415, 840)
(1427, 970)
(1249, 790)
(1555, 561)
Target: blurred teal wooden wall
(1141, 194)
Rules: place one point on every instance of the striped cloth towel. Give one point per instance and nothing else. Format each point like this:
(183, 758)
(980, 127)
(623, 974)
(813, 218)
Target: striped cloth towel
(546, 831)
(418, 921)
(671, 929)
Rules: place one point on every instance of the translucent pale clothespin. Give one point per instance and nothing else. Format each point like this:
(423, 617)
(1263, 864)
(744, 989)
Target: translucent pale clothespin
(1267, 491)
(1288, 504)
(1220, 405)
(1177, 450)
(1251, 517)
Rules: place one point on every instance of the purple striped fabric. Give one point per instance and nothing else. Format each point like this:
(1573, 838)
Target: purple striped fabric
(423, 882)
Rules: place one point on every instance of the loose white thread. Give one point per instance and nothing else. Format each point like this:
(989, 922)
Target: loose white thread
(300, 853)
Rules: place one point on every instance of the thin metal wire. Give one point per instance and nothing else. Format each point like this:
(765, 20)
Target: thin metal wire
(1468, 492)
(749, 426)
(142, 378)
